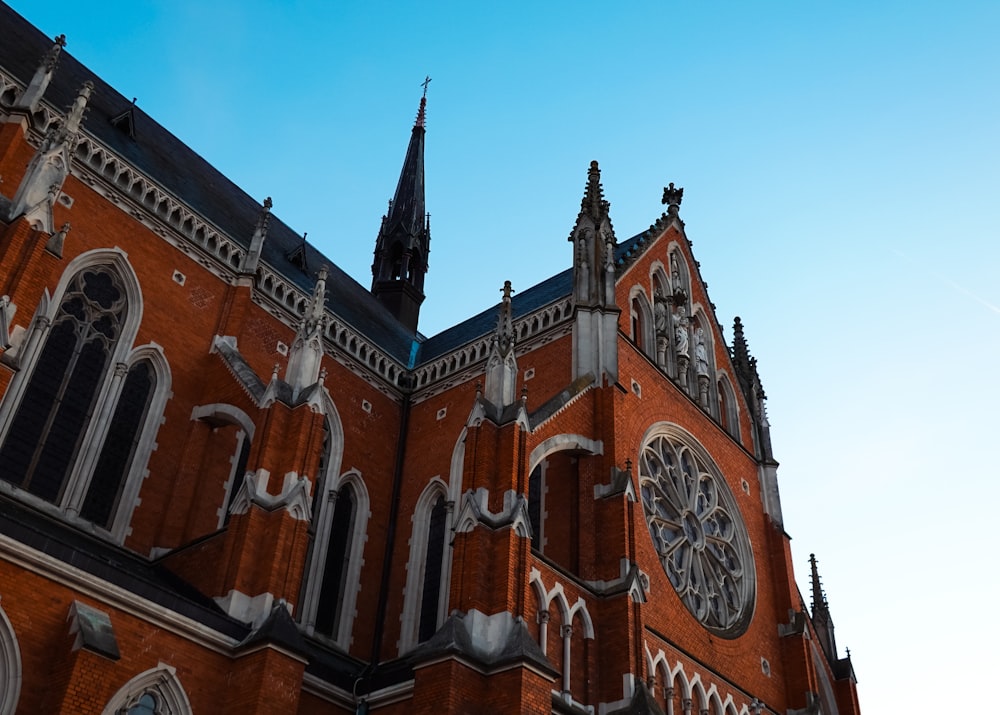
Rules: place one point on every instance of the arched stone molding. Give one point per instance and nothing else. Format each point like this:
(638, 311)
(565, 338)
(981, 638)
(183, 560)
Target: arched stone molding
(220, 413)
(119, 359)
(137, 473)
(678, 271)
(567, 615)
(729, 406)
(161, 682)
(564, 443)
(413, 592)
(714, 701)
(641, 321)
(32, 345)
(703, 360)
(699, 698)
(457, 469)
(325, 503)
(10, 666)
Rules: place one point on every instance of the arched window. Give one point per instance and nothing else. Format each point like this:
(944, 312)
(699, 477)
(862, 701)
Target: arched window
(79, 420)
(641, 325)
(120, 445)
(428, 570)
(338, 552)
(536, 490)
(10, 667)
(48, 427)
(154, 692)
(728, 414)
(431, 590)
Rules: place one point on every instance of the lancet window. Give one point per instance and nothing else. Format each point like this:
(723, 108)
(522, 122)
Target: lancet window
(78, 422)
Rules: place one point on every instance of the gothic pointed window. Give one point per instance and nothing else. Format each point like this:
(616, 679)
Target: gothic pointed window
(431, 589)
(10, 667)
(79, 418)
(59, 401)
(120, 445)
(535, 489)
(331, 596)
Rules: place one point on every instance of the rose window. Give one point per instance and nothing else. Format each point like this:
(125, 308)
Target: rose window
(698, 533)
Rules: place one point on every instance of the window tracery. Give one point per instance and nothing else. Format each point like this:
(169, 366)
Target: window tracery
(698, 532)
(78, 421)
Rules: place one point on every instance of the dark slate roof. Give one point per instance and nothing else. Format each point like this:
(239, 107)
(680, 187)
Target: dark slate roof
(175, 166)
(522, 303)
(112, 564)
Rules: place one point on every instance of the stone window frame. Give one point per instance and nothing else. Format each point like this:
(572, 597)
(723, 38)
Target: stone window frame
(419, 537)
(641, 314)
(726, 397)
(326, 502)
(160, 681)
(10, 666)
(679, 437)
(124, 355)
(219, 413)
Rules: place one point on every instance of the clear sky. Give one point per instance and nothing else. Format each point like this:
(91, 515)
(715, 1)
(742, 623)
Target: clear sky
(840, 166)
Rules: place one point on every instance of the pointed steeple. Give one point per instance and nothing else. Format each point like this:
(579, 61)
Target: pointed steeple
(404, 238)
(501, 367)
(821, 614)
(39, 189)
(35, 90)
(745, 367)
(595, 336)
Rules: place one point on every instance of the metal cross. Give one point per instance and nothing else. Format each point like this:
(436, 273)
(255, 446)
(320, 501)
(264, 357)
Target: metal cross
(427, 81)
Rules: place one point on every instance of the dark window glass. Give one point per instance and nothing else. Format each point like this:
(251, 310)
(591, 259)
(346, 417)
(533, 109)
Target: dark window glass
(338, 553)
(147, 705)
(119, 445)
(535, 506)
(59, 400)
(432, 570)
(239, 475)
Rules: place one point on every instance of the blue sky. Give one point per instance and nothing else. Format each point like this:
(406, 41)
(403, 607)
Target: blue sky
(840, 165)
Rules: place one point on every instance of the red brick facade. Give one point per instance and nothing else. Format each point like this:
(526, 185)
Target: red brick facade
(278, 498)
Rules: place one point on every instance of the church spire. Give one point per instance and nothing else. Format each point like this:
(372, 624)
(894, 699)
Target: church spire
(404, 238)
(821, 614)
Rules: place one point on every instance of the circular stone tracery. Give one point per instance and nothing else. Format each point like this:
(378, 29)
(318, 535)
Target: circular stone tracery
(698, 533)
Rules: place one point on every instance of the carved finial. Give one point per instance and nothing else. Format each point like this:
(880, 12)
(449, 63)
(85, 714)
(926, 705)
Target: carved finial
(672, 197)
(479, 389)
(52, 56)
(252, 257)
(506, 290)
(628, 465)
(275, 371)
(75, 116)
(33, 93)
(57, 240)
(524, 393)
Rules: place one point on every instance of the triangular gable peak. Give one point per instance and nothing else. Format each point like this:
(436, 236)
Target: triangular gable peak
(667, 313)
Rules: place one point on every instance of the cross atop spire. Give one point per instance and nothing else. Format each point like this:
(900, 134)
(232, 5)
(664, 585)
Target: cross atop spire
(404, 238)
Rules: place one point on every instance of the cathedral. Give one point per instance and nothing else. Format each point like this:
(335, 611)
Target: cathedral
(235, 480)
